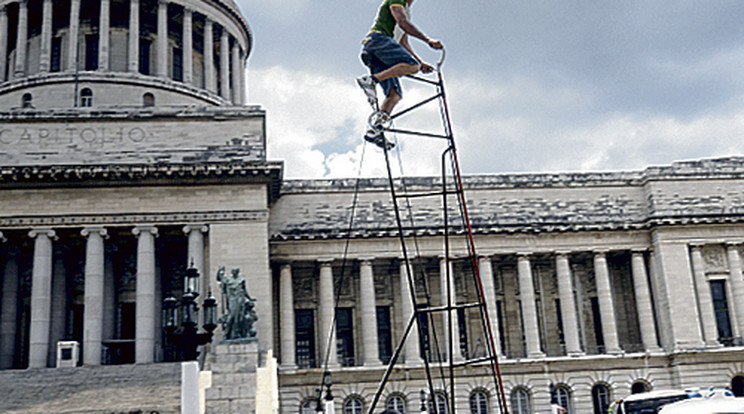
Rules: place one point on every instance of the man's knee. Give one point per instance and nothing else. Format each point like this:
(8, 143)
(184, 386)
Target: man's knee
(413, 68)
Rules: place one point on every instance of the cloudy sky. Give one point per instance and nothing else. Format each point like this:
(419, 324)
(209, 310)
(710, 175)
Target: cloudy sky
(533, 86)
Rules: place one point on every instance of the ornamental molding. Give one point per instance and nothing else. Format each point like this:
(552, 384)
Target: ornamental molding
(134, 219)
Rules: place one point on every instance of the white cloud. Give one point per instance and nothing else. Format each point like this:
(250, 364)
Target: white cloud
(315, 124)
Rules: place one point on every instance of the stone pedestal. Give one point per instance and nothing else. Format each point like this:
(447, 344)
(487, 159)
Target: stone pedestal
(233, 387)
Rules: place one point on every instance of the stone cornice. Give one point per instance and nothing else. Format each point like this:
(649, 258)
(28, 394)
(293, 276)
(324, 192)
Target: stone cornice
(43, 176)
(129, 218)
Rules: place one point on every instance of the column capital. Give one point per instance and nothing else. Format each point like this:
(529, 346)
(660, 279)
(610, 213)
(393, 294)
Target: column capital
(163, 2)
(3, 9)
(697, 244)
(42, 232)
(90, 230)
(366, 260)
(285, 265)
(600, 252)
(325, 261)
(638, 250)
(145, 229)
(202, 228)
(733, 244)
(562, 253)
(524, 255)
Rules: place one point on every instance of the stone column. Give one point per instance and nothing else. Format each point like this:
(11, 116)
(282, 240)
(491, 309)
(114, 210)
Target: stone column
(643, 302)
(568, 305)
(162, 42)
(3, 42)
(8, 322)
(188, 46)
(243, 98)
(210, 83)
(326, 314)
(104, 35)
(412, 351)
(41, 297)
(287, 317)
(236, 72)
(529, 309)
(606, 303)
(21, 39)
(144, 344)
(195, 233)
(46, 36)
(450, 318)
(368, 312)
(72, 42)
(134, 34)
(94, 287)
(489, 295)
(225, 65)
(704, 298)
(737, 285)
(58, 324)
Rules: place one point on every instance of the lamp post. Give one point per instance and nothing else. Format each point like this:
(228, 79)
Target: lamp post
(185, 337)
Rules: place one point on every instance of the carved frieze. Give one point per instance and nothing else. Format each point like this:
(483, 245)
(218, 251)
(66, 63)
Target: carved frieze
(714, 256)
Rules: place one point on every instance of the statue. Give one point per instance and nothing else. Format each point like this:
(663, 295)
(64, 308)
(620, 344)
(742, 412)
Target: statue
(238, 319)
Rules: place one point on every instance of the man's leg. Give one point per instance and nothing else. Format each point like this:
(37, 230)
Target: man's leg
(390, 101)
(396, 71)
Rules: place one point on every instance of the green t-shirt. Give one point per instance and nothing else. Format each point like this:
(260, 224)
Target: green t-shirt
(385, 22)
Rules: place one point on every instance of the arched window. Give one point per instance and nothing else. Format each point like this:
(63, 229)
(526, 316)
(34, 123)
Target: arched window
(86, 98)
(441, 404)
(600, 398)
(26, 100)
(148, 99)
(520, 401)
(353, 405)
(307, 407)
(396, 402)
(737, 385)
(479, 402)
(639, 387)
(563, 398)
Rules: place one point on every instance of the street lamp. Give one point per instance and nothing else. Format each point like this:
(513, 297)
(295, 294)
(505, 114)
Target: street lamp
(185, 338)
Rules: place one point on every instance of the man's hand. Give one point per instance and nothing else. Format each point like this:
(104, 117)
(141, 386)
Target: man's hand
(435, 44)
(426, 68)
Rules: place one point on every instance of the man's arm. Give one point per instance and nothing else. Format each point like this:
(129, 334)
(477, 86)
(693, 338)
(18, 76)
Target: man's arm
(425, 67)
(400, 17)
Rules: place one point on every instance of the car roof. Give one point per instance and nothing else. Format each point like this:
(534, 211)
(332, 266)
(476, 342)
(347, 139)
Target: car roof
(700, 405)
(654, 394)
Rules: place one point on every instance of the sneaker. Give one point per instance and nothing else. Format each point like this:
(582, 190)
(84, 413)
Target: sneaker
(377, 137)
(367, 83)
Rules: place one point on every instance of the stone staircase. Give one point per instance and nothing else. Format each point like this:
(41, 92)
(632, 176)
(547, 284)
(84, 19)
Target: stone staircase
(114, 389)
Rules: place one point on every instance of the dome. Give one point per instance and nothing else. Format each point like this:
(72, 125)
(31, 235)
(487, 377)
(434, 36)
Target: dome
(103, 53)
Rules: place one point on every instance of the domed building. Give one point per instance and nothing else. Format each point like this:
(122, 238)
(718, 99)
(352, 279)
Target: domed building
(128, 154)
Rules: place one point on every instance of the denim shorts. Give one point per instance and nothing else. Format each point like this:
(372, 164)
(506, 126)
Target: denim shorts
(381, 52)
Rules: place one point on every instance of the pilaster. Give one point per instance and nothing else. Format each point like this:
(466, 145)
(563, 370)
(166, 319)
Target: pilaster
(46, 36)
(188, 46)
(704, 299)
(21, 39)
(134, 34)
(104, 35)
(3, 42)
(737, 285)
(74, 35)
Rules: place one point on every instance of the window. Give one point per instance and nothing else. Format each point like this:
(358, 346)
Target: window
(345, 336)
(737, 385)
(462, 329)
(144, 56)
(396, 402)
(148, 100)
(305, 336)
(720, 307)
(520, 401)
(639, 387)
(178, 64)
(353, 405)
(86, 98)
(563, 398)
(56, 62)
(479, 403)
(384, 334)
(441, 404)
(91, 52)
(26, 101)
(600, 398)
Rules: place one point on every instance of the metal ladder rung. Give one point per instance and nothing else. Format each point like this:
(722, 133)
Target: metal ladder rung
(445, 308)
(472, 361)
